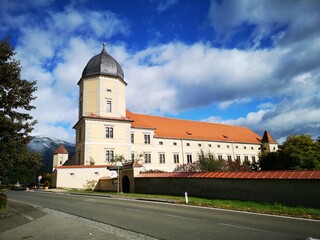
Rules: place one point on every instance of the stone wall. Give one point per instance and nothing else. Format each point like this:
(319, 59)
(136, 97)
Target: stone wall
(296, 192)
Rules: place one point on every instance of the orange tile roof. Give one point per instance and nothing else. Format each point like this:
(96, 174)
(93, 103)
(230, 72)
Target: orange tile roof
(61, 150)
(237, 175)
(193, 130)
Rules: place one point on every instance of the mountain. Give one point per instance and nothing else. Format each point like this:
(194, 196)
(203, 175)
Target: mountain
(46, 146)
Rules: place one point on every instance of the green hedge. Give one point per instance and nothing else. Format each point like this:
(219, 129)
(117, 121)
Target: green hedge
(3, 200)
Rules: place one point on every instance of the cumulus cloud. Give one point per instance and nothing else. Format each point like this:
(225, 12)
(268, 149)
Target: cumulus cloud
(174, 77)
(294, 74)
(53, 50)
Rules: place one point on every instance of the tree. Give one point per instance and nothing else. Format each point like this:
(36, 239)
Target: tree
(208, 163)
(16, 163)
(298, 152)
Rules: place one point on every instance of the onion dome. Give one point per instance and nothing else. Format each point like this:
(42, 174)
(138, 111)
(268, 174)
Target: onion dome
(103, 64)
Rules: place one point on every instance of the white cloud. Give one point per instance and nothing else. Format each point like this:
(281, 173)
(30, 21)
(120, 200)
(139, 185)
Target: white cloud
(52, 52)
(163, 5)
(176, 77)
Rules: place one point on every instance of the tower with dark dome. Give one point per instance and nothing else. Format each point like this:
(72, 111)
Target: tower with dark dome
(102, 87)
(102, 120)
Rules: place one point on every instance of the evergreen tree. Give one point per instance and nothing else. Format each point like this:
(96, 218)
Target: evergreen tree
(16, 94)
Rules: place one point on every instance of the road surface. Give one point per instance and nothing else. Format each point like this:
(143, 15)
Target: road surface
(172, 221)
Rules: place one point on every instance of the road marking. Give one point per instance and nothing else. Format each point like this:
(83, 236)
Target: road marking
(187, 218)
(137, 210)
(27, 217)
(252, 229)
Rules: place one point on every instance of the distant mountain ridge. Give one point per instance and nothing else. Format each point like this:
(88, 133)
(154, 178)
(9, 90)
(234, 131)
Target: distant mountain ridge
(46, 146)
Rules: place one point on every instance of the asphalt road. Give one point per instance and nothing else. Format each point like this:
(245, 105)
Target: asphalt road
(171, 221)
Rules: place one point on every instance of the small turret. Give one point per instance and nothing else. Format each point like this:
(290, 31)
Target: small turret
(268, 144)
(60, 156)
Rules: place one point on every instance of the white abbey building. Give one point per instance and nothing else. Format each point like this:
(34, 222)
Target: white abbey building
(106, 129)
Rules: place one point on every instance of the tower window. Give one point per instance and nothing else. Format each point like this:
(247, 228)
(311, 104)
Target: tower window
(79, 132)
(147, 138)
(108, 108)
(109, 90)
(109, 132)
(132, 137)
(109, 155)
(80, 108)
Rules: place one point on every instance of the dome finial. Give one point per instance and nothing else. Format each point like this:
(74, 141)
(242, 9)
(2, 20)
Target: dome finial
(104, 45)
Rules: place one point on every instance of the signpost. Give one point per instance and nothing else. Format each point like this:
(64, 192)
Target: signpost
(39, 179)
(118, 164)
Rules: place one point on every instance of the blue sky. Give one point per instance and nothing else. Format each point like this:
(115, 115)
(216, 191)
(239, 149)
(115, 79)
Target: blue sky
(249, 63)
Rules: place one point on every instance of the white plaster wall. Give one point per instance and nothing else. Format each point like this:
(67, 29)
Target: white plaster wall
(78, 177)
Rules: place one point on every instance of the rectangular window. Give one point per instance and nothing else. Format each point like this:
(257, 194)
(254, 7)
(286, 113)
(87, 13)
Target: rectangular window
(238, 158)
(219, 157)
(79, 157)
(176, 158)
(253, 158)
(162, 158)
(109, 132)
(189, 158)
(108, 108)
(109, 155)
(79, 132)
(132, 137)
(132, 157)
(147, 139)
(147, 158)
(229, 158)
(246, 158)
(80, 108)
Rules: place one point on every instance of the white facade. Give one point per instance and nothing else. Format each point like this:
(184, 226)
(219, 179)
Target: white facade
(80, 177)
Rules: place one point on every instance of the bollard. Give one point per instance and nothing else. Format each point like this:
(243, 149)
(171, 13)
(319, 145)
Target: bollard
(186, 195)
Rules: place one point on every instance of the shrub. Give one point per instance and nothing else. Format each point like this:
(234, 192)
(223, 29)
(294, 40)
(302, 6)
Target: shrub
(3, 200)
